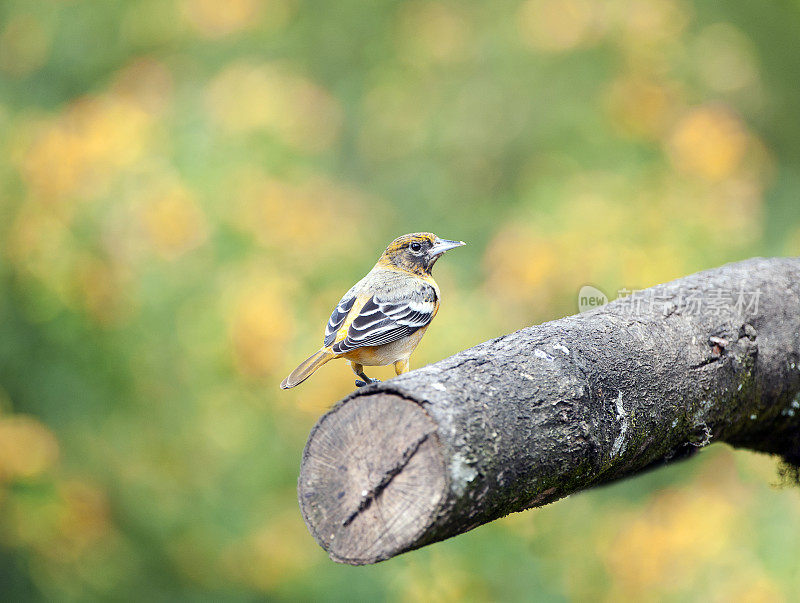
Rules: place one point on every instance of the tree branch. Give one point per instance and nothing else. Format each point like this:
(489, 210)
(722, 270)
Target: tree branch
(530, 417)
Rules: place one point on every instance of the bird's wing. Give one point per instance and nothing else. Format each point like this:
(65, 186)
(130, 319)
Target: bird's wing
(338, 317)
(383, 320)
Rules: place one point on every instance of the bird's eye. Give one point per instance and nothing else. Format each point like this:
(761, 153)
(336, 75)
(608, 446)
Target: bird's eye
(415, 246)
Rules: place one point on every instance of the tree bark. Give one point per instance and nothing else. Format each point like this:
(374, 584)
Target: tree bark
(530, 417)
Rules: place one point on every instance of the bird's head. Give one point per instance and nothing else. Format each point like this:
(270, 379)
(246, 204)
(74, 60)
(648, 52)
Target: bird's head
(416, 252)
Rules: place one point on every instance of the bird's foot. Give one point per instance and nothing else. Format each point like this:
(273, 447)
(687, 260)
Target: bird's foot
(360, 383)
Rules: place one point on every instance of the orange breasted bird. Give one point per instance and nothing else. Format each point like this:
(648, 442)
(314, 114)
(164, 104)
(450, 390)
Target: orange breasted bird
(382, 318)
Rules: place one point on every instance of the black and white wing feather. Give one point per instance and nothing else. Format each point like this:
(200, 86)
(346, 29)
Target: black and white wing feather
(338, 317)
(382, 321)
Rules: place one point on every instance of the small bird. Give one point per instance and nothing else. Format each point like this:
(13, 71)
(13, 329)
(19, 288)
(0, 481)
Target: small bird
(382, 318)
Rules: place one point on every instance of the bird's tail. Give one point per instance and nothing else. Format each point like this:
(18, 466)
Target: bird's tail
(307, 368)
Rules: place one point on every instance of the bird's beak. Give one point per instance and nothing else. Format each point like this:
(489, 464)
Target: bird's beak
(442, 245)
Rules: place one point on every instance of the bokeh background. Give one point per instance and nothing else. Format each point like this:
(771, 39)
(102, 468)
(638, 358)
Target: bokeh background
(188, 186)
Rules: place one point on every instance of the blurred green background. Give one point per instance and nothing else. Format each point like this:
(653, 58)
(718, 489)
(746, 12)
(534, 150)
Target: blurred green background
(188, 186)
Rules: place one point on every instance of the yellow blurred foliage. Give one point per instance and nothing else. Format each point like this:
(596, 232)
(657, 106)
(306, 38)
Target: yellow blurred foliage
(642, 107)
(41, 245)
(62, 528)
(313, 397)
(101, 288)
(749, 585)
(83, 519)
(173, 221)
(666, 544)
(709, 142)
(725, 58)
(28, 449)
(522, 264)
(78, 151)
(293, 217)
(262, 324)
(556, 25)
(431, 31)
(523, 525)
(145, 82)
(646, 23)
(442, 580)
(214, 19)
(605, 228)
(245, 97)
(271, 554)
(38, 243)
(533, 261)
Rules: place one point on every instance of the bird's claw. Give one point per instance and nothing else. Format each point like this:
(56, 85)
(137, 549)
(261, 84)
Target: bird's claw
(360, 383)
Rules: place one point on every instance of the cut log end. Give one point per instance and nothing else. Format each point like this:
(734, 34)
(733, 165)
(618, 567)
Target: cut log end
(372, 479)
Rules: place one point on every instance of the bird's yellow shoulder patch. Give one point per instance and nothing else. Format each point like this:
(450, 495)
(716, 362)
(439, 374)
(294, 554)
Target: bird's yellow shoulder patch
(361, 299)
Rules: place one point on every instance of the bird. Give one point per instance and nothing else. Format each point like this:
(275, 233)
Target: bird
(382, 318)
